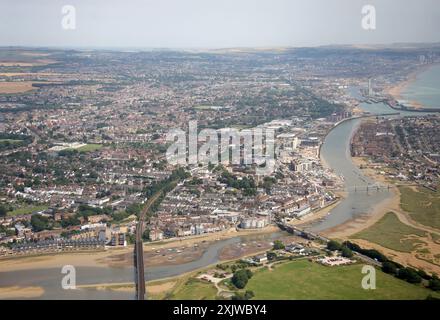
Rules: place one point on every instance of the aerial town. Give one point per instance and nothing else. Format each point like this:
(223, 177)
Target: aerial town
(86, 168)
(386, 142)
(84, 148)
(233, 159)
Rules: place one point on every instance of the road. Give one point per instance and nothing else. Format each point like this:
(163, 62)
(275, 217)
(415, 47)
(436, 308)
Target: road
(139, 250)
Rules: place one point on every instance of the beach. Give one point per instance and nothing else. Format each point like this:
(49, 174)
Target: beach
(396, 90)
(16, 292)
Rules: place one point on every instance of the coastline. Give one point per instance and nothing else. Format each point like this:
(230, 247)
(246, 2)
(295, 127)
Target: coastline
(397, 90)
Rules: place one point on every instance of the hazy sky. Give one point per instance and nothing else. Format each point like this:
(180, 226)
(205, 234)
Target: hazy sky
(216, 23)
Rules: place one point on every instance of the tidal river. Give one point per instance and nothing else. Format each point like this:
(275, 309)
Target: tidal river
(50, 279)
(335, 152)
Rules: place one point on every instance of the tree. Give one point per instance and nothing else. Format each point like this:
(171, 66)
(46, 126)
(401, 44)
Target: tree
(434, 283)
(423, 274)
(410, 275)
(389, 267)
(333, 245)
(222, 267)
(278, 245)
(70, 221)
(268, 183)
(93, 175)
(249, 294)
(39, 223)
(372, 253)
(3, 211)
(146, 235)
(6, 231)
(243, 296)
(402, 273)
(347, 253)
(241, 278)
(413, 277)
(120, 215)
(134, 209)
(271, 255)
(131, 238)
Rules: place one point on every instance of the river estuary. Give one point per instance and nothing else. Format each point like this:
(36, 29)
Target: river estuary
(335, 152)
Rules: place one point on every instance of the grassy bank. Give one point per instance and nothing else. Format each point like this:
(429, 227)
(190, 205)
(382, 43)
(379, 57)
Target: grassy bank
(390, 233)
(422, 205)
(303, 279)
(195, 289)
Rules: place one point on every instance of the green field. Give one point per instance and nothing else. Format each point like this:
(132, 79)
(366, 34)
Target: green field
(195, 289)
(203, 108)
(27, 210)
(10, 143)
(435, 237)
(423, 206)
(89, 148)
(306, 280)
(390, 233)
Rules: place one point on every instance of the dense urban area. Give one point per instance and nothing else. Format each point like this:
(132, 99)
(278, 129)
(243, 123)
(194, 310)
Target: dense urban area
(83, 146)
(86, 147)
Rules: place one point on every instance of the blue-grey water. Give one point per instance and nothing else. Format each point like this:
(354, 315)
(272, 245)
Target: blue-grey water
(335, 150)
(50, 279)
(336, 153)
(425, 89)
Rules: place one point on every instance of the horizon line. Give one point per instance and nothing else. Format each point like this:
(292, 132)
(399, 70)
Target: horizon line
(211, 48)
